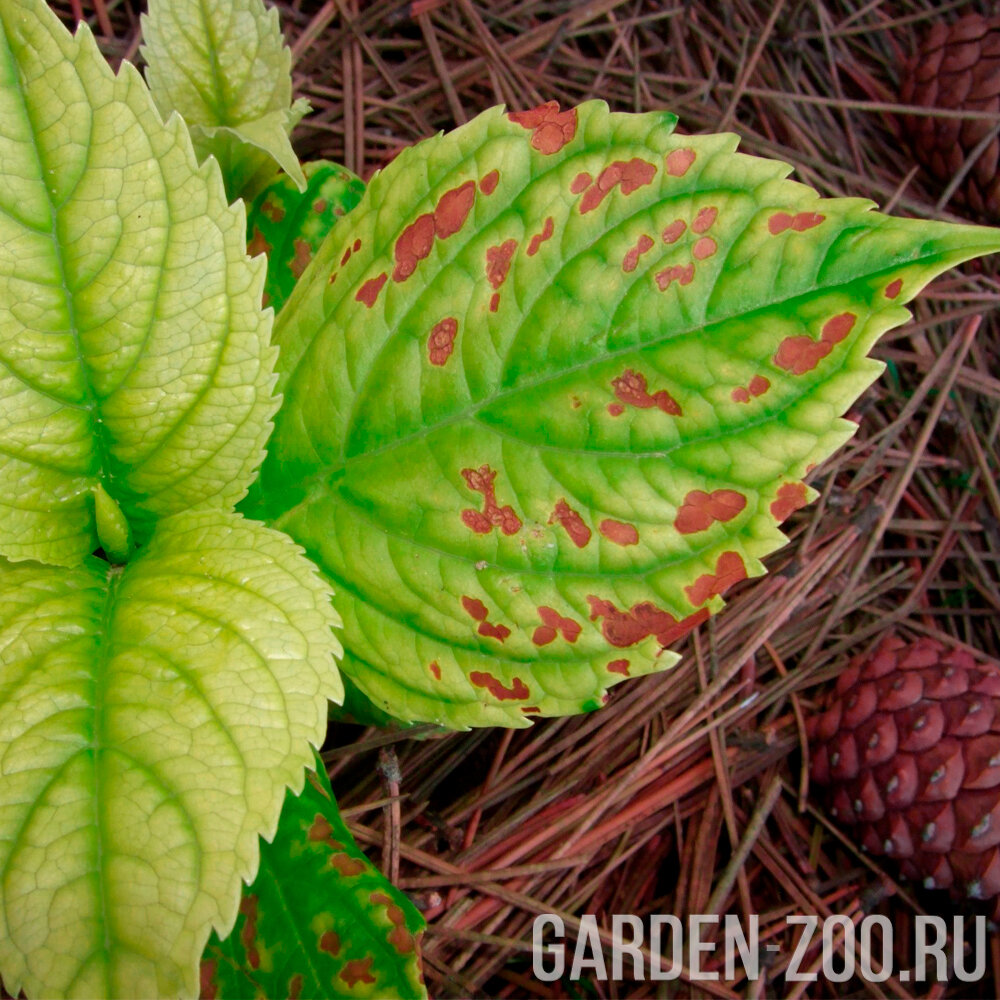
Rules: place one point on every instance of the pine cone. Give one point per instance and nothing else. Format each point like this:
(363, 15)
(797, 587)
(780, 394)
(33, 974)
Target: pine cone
(957, 67)
(910, 745)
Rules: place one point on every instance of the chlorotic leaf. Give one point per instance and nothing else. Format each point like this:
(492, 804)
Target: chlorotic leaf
(288, 225)
(135, 356)
(226, 69)
(565, 393)
(319, 921)
(151, 717)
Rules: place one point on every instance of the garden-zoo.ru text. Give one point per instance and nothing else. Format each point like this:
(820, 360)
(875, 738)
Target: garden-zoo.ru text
(865, 949)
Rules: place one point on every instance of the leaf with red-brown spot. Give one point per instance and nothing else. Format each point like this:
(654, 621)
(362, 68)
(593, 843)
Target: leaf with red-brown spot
(594, 385)
(289, 225)
(319, 921)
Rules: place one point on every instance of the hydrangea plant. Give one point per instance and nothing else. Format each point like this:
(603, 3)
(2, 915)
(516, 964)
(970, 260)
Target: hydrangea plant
(531, 403)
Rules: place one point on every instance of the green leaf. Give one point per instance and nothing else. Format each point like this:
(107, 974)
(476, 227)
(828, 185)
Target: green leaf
(320, 920)
(226, 69)
(151, 718)
(289, 225)
(564, 395)
(135, 357)
(358, 709)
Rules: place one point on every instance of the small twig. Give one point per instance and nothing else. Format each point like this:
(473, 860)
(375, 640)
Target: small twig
(742, 852)
(388, 765)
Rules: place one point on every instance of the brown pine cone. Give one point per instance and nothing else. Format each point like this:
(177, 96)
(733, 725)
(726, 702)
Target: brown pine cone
(910, 745)
(958, 68)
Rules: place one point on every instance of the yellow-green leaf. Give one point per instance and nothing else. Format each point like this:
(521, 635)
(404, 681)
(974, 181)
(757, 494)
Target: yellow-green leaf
(134, 356)
(151, 719)
(226, 69)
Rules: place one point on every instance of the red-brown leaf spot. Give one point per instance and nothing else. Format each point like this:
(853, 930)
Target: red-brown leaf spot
(554, 623)
(491, 631)
(481, 480)
(319, 206)
(442, 341)
(539, 238)
(619, 532)
(345, 865)
(682, 274)
(357, 245)
(330, 943)
(498, 260)
(399, 937)
(517, 691)
(616, 409)
(729, 570)
(837, 328)
(453, 209)
(358, 970)
(701, 510)
(619, 667)
(530, 709)
(704, 248)
(208, 987)
(272, 209)
(303, 254)
(631, 175)
(802, 354)
(543, 635)
(631, 388)
(417, 239)
(320, 829)
(475, 608)
(679, 161)
(674, 231)
(799, 223)
(479, 612)
(488, 184)
(581, 182)
(705, 219)
(435, 668)
(626, 628)
(258, 244)
(791, 497)
(368, 292)
(413, 245)
(578, 532)
(757, 387)
(248, 935)
(346, 256)
(550, 128)
(631, 260)
(295, 986)
(494, 302)
(893, 288)
(799, 355)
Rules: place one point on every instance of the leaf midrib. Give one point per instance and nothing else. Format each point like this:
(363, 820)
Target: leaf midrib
(345, 459)
(102, 660)
(220, 102)
(323, 472)
(91, 402)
